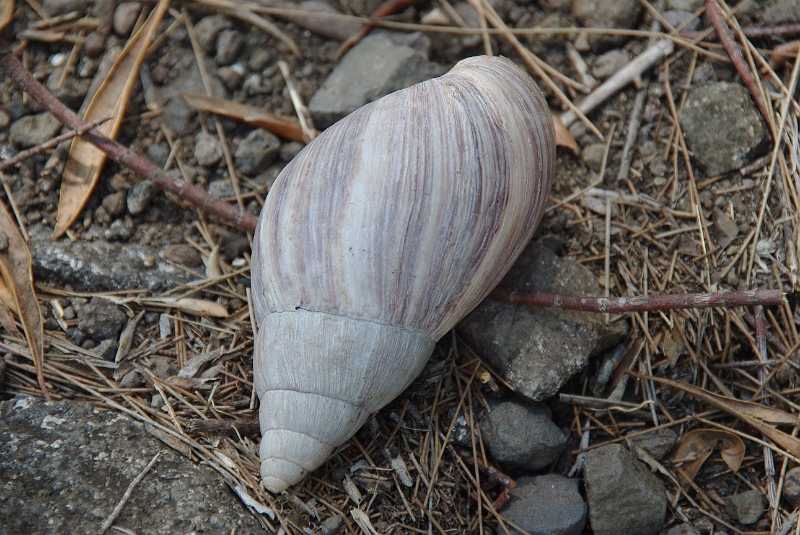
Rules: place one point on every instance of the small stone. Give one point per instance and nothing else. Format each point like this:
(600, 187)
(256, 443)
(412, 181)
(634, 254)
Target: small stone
(230, 77)
(259, 59)
(791, 487)
(290, 150)
(684, 5)
(182, 254)
(139, 197)
(33, 130)
(158, 154)
(62, 7)
(229, 43)
(207, 149)
(125, 17)
(682, 529)
(5, 119)
(209, 28)
(121, 182)
(617, 14)
(677, 17)
(609, 63)
(725, 229)
(782, 12)
(164, 367)
(547, 505)
(220, 188)
(131, 380)
(115, 204)
(234, 247)
(72, 92)
(106, 350)
(101, 319)
(94, 45)
(257, 151)
(593, 156)
(521, 436)
(332, 524)
(657, 443)
(746, 507)
(623, 495)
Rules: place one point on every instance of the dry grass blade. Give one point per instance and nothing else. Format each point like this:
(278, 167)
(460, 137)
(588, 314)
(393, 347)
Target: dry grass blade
(111, 100)
(16, 267)
(198, 307)
(697, 445)
(6, 12)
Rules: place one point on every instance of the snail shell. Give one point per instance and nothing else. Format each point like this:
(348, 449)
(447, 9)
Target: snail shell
(377, 239)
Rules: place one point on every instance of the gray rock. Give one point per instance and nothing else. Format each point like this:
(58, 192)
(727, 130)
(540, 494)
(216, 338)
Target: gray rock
(183, 254)
(115, 203)
(66, 465)
(257, 151)
(209, 28)
(723, 127)
(609, 63)
(782, 12)
(725, 228)
(220, 188)
(332, 524)
(746, 507)
(33, 130)
(623, 495)
(72, 92)
(158, 154)
(5, 120)
(537, 350)
(521, 436)
(684, 5)
(229, 43)
(657, 443)
(231, 77)
(107, 349)
(62, 7)
(682, 529)
(350, 85)
(207, 149)
(547, 505)
(101, 319)
(618, 14)
(791, 487)
(290, 150)
(592, 155)
(139, 197)
(125, 17)
(677, 17)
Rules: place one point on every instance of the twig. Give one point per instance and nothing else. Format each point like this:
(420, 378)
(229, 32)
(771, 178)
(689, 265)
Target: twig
(118, 152)
(507, 482)
(29, 153)
(228, 427)
(785, 30)
(769, 462)
(649, 303)
(127, 495)
(633, 134)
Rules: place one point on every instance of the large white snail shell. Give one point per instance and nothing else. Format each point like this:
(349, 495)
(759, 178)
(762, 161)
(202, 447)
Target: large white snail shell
(377, 238)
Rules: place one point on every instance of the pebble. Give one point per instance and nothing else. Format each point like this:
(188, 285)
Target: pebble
(521, 436)
(106, 350)
(209, 28)
(609, 63)
(139, 197)
(725, 228)
(115, 204)
(207, 149)
(350, 85)
(746, 507)
(290, 150)
(782, 12)
(791, 487)
(230, 77)
(617, 14)
(33, 130)
(723, 127)
(547, 505)
(657, 443)
(183, 254)
(682, 529)
(5, 119)
(158, 154)
(537, 350)
(623, 495)
(62, 7)
(229, 43)
(257, 151)
(131, 380)
(72, 92)
(259, 59)
(676, 17)
(101, 319)
(592, 156)
(684, 5)
(125, 17)
(331, 525)
(220, 188)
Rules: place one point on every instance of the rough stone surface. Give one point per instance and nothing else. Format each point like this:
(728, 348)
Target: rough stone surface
(125, 17)
(33, 130)
(101, 319)
(537, 350)
(782, 12)
(723, 127)
(681, 529)
(746, 507)
(610, 62)
(258, 150)
(657, 443)
(229, 43)
(521, 436)
(64, 466)
(791, 487)
(207, 149)
(350, 85)
(623, 495)
(684, 5)
(139, 196)
(209, 28)
(61, 7)
(606, 14)
(547, 505)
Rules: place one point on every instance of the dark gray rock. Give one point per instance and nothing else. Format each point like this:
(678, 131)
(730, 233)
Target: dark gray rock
(72, 92)
(521, 436)
(65, 465)
(332, 524)
(723, 127)
(623, 495)
(657, 443)
(32, 130)
(209, 28)
(257, 151)
(682, 529)
(534, 349)
(207, 149)
(229, 43)
(139, 197)
(547, 505)
(290, 150)
(101, 319)
(791, 487)
(746, 507)
(350, 85)
(782, 12)
(158, 154)
(617, 14)
(725, 228)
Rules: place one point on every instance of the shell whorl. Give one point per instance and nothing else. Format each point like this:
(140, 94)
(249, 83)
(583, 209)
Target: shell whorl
(377, 238)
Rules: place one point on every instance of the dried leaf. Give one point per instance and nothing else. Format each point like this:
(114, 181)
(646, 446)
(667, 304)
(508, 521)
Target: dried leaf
(286, 128)
(193, 365)
(671, 348)
(362, 519)
(198, 307)
(7, 321)
(111, 100)
(16, 268)
(126, 338)
(563, 137)
(190, 384)
(696, 446)
(6, 12)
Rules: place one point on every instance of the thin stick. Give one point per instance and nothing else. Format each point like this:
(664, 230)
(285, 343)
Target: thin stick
(127, 495)
(649, 303)
(633, 134)
(769, 462)
(228, 427)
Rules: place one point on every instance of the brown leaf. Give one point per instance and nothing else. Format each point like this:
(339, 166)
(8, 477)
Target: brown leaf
(16, 268)
(6, 12)
(671, 348)
(197, 307)
(286, 128)
(111, 100)
(696, 446)
(563, 137)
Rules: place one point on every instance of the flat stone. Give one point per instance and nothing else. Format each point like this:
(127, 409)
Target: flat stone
(746, 507)
(351, 85)
(257, 151)
(617, 14)
(657, 443)
(522, 436)
(207, 149)
(547, 505)
(723, 127)
(32, 130)
(65, 466)
(623, 495)
(101, 319)
(536, 349)
(682, 529)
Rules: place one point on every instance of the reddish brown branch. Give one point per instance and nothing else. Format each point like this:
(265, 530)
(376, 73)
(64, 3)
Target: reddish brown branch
(785, 30)
(227, 427)
(650, 303)
(737, 59)
(118, 152)
(506, 481)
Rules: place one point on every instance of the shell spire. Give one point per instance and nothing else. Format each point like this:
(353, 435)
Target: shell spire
(378, 238)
